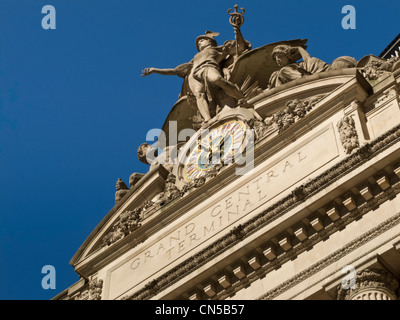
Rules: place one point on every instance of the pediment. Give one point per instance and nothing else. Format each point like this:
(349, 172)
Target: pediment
(148, 187)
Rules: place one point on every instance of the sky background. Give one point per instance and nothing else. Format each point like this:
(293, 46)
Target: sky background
(74, 108)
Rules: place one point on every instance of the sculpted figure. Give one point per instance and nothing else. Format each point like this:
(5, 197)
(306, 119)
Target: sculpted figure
(204, 71)
(286, 57)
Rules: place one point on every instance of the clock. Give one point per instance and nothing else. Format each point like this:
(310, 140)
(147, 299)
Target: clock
(218, 145)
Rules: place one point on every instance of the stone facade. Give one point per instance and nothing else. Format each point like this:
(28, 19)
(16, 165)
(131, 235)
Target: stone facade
(317, 216)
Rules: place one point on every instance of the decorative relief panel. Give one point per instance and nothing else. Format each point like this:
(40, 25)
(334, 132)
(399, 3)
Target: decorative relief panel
(348, 134)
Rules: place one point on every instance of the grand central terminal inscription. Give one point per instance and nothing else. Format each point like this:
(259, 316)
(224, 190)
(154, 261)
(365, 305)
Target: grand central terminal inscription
(218, 216)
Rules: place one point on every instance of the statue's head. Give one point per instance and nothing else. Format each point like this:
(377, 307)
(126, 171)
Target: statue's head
(206, 40)
(284, 55)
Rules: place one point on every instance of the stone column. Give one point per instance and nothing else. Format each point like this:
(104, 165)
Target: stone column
(371, 284)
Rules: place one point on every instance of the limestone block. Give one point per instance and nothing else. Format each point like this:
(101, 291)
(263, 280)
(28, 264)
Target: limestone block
(210, 290)
(366, 193)
(301, 234)
(383, 182)
(254, 262)
(270, 253)
(239, 272)
(285, 244)
(317, 224)
(349, 203)
(224, 280)
(333, 214)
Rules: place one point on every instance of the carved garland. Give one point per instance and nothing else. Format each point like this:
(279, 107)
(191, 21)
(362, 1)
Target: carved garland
(348, 134)
(277, 210)
(294, 111)
(92, 290)
(95, 289)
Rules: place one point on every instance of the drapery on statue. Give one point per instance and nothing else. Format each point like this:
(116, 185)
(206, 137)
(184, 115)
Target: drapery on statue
(204, 71)
(286, 57)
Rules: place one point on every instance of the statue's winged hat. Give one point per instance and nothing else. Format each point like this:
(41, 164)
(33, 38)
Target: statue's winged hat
(208, 35)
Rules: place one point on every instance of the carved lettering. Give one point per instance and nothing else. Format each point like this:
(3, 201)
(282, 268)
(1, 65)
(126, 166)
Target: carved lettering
(287, 164)
(220, 221)
(208, 230)
(169, 253)
(248, 203)
(215, 214)
(227, 211)
(161, 247)
(244, 193)
(181, 246)
(175, 238)
(256, 182)
(135, 263)
(190, 226)
(300, 157)
(193, 237)
(228, 203)
(271, 174)
(231, 212)
(147, 254)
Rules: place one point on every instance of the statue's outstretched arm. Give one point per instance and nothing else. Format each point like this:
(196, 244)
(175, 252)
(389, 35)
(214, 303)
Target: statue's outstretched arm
(167, 72)
(181, 70)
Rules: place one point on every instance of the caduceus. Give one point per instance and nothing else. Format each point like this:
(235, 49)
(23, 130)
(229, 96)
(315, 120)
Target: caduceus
(236, 19)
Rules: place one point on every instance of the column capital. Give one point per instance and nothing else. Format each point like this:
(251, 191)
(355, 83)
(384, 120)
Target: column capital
(370, 284)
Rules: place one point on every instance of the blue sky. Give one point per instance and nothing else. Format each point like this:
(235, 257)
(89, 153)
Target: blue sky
(74, 109)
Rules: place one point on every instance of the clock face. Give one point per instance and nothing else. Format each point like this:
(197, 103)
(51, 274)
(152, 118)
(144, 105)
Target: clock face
(219, 144)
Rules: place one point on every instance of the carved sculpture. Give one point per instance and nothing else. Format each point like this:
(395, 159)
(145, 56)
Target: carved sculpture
(134, 178)
(128, 222)
(259, 127)
(146, 153)
(286, 57)
(95, 289)
(348, 134)
(204, 72)
(122, 189)
(294, 110)
(171, 191)
(112, 236)
(374, 67)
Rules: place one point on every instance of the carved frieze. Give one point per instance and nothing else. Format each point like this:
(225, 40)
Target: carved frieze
(294, 111)
(373, 67)
(95, 289)
(91, 290)
(127, 223)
